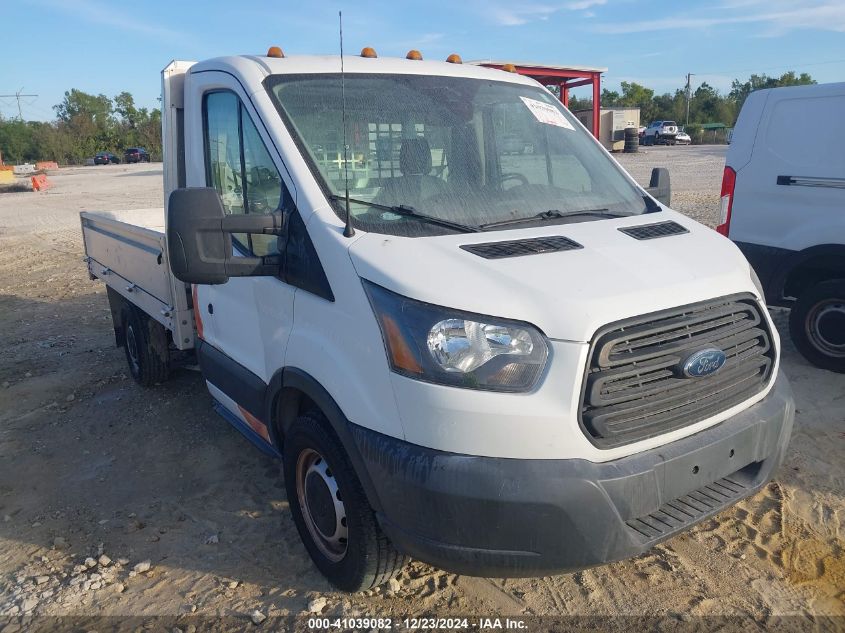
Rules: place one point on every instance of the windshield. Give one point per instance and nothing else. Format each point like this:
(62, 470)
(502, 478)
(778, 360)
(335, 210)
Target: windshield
(471, 151)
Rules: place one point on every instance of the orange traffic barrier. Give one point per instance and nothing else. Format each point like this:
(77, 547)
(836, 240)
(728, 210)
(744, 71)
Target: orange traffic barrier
(40, 183)
(7, 167)
(43, 165)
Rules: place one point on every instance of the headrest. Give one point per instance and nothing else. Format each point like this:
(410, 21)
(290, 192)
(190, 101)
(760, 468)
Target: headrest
(415, 157)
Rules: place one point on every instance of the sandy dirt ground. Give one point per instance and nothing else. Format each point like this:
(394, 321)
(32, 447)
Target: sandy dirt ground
(115, 500)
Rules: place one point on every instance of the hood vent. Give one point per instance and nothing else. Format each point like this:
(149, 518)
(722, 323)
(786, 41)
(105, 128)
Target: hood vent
(518, 248)
(652, 231)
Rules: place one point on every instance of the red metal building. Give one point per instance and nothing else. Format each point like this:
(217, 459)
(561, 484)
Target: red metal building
(564, 77)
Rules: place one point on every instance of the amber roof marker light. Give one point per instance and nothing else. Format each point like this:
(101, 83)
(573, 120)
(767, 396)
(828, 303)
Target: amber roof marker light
(369, 52)
(414, 54)
(275, 51)
(454, 58)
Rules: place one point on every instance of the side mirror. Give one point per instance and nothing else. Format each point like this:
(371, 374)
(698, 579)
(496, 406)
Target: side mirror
(199, 238)
(659, 186)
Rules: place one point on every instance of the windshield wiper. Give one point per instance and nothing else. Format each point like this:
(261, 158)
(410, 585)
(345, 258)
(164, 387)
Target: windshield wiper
(410, 212)
(551, 214)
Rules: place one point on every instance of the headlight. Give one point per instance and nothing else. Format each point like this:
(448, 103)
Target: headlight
(449, 347)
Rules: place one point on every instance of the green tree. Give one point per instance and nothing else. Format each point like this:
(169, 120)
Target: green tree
(635, 95)
(610, 98)
(124, 107)
(576, 104)
(97, 108)
(740, 90)
(15, 141)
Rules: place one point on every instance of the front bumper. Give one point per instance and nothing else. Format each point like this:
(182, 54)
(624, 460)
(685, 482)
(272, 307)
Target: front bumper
(500, 517)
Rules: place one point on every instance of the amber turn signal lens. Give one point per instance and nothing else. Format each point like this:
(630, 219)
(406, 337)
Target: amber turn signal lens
(275, 51)
(509, 68)
(368, 51)
(414, 54)
(400, 353)
(454, 58)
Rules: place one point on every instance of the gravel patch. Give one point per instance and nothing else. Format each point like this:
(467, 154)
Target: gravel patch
(695, 172)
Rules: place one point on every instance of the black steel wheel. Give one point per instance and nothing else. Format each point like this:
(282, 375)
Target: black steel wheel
(331, 511)
(145, 344)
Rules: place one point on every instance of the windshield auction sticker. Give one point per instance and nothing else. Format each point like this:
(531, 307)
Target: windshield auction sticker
(546, 113)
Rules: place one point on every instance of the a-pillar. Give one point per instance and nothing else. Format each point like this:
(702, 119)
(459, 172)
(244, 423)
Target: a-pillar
(596, 103)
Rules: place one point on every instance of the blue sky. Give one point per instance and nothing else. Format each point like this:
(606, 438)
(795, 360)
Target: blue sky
(49, 46)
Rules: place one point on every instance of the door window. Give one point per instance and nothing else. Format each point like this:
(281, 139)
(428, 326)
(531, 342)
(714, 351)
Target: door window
(239, 167)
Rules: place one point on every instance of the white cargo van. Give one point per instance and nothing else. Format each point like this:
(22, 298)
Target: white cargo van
(783, 203)
(501, 362)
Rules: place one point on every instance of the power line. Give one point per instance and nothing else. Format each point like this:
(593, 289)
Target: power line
(17, 96)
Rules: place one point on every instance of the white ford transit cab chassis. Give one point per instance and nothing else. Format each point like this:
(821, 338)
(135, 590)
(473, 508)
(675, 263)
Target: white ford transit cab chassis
(504, 363)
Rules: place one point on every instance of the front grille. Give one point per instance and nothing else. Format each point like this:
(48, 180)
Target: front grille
(688, 509)
(635, 388)
(517, 248)
(652, 231)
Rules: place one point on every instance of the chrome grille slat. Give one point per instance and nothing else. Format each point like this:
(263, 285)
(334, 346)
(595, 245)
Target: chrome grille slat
(701, 338)
(703, 324)
(667, 387)
(637, 373)
(674, 411)
(634, 389)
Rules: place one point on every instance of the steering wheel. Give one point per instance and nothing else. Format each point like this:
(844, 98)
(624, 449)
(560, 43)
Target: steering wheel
(523, 181)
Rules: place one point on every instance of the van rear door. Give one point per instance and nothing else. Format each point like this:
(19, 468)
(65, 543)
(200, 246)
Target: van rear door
(791, 193)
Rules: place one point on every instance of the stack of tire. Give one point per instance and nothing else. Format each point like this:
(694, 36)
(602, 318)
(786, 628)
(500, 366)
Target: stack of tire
(632, 140)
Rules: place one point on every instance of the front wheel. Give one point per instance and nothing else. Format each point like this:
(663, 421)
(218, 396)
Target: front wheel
(817, 325)
(330, 509)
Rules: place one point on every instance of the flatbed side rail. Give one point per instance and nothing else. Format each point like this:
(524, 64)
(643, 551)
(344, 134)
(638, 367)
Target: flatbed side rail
(132, 260)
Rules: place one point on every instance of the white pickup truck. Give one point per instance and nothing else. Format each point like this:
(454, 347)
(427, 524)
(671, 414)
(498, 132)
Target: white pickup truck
(660, 132)
(504, 362)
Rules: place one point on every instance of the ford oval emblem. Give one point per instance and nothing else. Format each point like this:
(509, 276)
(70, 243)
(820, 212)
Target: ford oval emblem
(704, 363)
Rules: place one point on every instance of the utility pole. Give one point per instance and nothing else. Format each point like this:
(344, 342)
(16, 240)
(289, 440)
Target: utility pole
(17, 96)
(689, 95)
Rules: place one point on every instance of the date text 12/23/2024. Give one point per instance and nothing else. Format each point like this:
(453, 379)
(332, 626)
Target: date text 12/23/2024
(421, 623)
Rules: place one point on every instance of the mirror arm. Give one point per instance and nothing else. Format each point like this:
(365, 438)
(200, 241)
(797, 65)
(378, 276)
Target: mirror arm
(253, 266)
(267, 224)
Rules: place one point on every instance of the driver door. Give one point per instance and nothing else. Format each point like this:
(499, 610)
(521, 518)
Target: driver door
(250, 317)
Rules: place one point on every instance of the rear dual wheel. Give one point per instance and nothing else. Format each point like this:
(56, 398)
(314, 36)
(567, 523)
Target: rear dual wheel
(330, 509)
(817, 325)
(146, 347)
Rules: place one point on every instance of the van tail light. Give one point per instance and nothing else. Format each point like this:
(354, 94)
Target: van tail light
(726, 201)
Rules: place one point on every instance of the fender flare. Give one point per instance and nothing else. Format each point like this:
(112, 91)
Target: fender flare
(294, 378)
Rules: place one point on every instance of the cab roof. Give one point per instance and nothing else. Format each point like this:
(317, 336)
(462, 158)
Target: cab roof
(256, 68)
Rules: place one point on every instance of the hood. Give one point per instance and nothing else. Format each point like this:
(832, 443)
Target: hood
(569, 294)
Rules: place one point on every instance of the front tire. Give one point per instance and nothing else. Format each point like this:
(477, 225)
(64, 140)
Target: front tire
(330, 509)
(817, 325)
